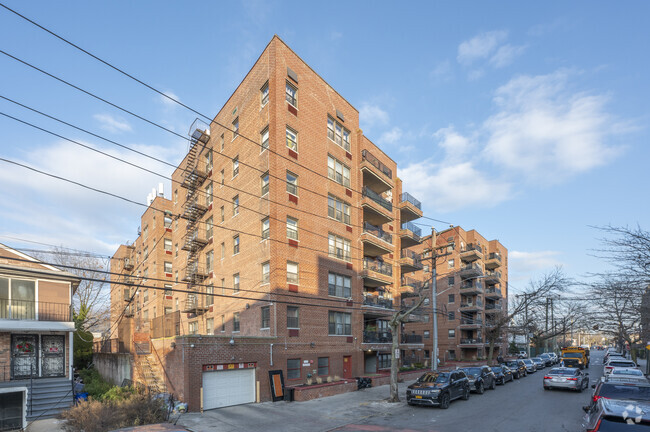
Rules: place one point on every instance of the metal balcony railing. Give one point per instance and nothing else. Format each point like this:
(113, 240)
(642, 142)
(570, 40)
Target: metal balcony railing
(494, 256)
(468, 341)
(369, 193)
(470, 321)
(377, 232)
(32, 310)
(385, 336)
(377, 266)
(371, 300)
(472, 305)
(490, 306)
(411, 339)
(377, 164)
(493, 274)
(405, 253)
(472, 247)
(407, 197)
(415, 284)
(413, 228)
(471, 267)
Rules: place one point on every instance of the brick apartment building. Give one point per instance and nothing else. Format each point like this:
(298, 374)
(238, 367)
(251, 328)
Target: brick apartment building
(283, 248)
(472, 286)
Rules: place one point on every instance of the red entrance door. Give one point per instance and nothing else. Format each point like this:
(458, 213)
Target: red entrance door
(347, 366)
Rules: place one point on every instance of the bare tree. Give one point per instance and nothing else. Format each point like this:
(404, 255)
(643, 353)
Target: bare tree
(628, 250)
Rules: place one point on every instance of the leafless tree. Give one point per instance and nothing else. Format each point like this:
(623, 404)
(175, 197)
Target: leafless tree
(628, 250)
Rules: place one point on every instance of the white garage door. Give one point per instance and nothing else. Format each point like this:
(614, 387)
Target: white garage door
(226, 388)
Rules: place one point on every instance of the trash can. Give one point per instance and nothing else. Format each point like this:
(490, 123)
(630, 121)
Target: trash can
(289, 394)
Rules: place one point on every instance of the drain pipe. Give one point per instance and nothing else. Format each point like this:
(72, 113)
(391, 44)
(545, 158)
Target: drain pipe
(270, 354)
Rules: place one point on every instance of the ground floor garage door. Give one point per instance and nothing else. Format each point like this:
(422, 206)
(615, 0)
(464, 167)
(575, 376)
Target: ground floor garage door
(229, 387)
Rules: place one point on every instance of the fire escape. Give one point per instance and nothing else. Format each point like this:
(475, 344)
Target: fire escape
(195, 207)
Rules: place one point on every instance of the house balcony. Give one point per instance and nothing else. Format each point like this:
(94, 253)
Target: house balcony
(375, 174)
(470, 323)
(410, 234)
(470, 271)
(411, 285)
(409, 207)
(411, 339)
(471, 287)
(19, 313)
(378, 337)
(471, 252)
(377, 210)
(471, 343)
(493, 277)
(376, 241)
(376, 273)
(492, 261)
(493, 292)
(195, 303)
(471, 307)
(377, 302)
(410, 261)
(195, 240)
(492, 308)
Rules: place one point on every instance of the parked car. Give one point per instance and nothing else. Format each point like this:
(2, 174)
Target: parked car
(438, 389)
(617, 415)
(503, 374)
(548, 361)
(541, 364)
(623, 372)
(522, 355)
(518, 368)
(616, 363)
(615, 389)
(554, 358)
(567, 378)
(612, 354)
(530, 366)
(480, 378)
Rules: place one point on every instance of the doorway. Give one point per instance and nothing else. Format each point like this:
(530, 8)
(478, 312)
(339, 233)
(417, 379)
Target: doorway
(347, 366)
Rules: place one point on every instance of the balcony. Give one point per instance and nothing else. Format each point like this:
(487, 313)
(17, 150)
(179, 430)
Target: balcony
(474, 306)
(128, 264)
(376, 301)
(409, 207)
(375, 174)
(471, 252)
(410, 234)
(471, 287)
(493, 261)
(376, 241)
(195, 273)
(492, 308)
(410, 261)
(34, 311)
(195, 303)
(194, 210)
(385, 336)
(195, 240)
(411, 339)
(470, 271)
(376, 273)
(493, 292)
(414, 284)
(493, 277)
(471, 323)
(468, 342)
(376, 209)
(194, 177)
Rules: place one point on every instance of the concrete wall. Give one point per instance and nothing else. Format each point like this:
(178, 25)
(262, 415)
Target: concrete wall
(114, 368)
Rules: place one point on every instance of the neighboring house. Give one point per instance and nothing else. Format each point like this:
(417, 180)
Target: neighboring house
(36, 343)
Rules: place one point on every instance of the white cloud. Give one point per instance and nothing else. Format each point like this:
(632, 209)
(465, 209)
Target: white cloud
(112, 124)
(455, 145)
(533, 261)
(392, 136)
(442, 71)
(168, 102)
(506, 54)
(372, 115)
(480, 46)
(547, 133)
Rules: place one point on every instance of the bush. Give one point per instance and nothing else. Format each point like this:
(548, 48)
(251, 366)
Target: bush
(102, 416)
(94, 384)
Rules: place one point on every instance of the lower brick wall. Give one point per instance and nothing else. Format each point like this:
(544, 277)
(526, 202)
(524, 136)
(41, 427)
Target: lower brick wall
(5, 356)
(302, 394)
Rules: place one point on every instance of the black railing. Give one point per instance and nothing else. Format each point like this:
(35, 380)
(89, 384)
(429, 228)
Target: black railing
(472, 305)
(469, 341)
(472, 247)
(413, 228)
(493, 306)
(407, 197)
(493, 291)
(370, 300)
(415, 284)
(470, 321)
(378, 266)
(369, 193)
(406, 253)
(495, 256)
(377, 164)
(385, 336)
(493, 275)
(377, 232)
(412, 338)
(471, 285)
(33, 310)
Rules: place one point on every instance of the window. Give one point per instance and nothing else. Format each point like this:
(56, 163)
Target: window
(209, 326)
(223, 250)
(223, 285)
(145, 315)
(235, 205)
(223, 142)
(223, 213)
(293, 317)
(339, 247)
(450, 263)
(168, 310)
(223, 176)
(292, 228)
(292, 139)
(168, 290)
(235, 166)
(208, 194)
(266, 272)
(339, 323)
(338, 209)
(383, 361)
(451, 316)
(265, 184)
(168, 221)
(265, 93)
(337, 133)
(265, 138)
(209, 261)
(175, 198)
(235, 245)
(451, 298)
(293, 368)
(168, 267)
(426, 354)
(235, 128)
(292, 183)
(339, 285)
(451, 280)
(427, 334)
(208, 227)
(176, 250)
(452, 333)
(235, 283)
(208, 161)
(266, 317)
(292, 94)
(145, 233)
(146, 253)
(235, 322)
(292, 272)
(145, 295)
(323, 366)
(168, 245)
(452, 354)
(338, 172)
(266, 229)
(223, 323)
(193, 327)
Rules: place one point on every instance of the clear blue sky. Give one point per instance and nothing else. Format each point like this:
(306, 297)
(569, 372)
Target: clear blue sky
(523, 120)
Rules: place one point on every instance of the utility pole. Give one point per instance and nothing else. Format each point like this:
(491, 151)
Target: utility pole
(434, 301)
(526, 328)
(553, 323)
(546, 338)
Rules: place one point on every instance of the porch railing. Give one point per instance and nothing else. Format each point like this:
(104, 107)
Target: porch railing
(35, 310)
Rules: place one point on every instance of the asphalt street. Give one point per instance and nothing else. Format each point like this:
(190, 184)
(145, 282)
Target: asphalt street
(522, 405)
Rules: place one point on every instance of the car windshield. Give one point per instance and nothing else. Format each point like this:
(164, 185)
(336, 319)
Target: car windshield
(512, 364)
(472, 371)
(623, 391)
(528, 362)
(536, 359)
(497, 369)
(572, 355)
(544, 356)
(627, 372)
(433, 377)
(621, 364)
(568, 372)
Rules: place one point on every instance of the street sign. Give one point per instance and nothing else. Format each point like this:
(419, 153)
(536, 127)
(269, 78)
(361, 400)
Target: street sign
(396, 353)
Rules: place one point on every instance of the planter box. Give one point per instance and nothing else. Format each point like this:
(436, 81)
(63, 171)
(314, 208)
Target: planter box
(305, 393)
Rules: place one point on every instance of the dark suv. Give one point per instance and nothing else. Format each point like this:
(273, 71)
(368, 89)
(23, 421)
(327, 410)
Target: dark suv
(518, 368)
(480, 378)
(438, 389)
(611, 415)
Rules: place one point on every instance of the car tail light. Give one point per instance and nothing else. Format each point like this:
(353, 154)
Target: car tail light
(596, 397)
(572, 379)
(547, 377)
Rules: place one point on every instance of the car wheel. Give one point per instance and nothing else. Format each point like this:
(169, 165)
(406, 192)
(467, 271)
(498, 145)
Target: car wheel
(494, 385)
(515, 376)
(466, 394)
(546, 388)
(444, 401)
(480, 389)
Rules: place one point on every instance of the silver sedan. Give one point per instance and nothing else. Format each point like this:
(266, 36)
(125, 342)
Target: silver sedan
(566, 378)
